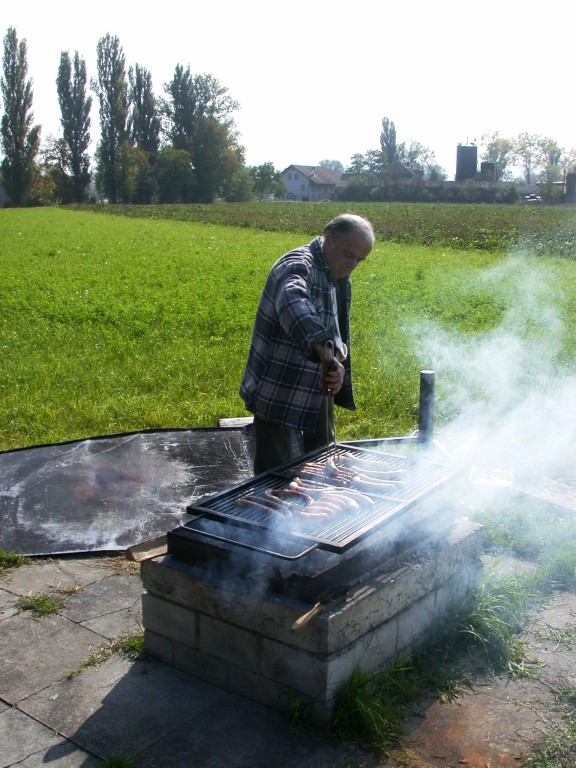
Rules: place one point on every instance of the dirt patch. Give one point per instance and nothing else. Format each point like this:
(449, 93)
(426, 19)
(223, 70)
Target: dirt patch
(498, 720)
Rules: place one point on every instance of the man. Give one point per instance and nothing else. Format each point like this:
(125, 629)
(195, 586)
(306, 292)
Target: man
(291, 377)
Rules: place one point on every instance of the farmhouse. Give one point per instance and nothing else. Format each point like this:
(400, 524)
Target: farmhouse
(309, 182)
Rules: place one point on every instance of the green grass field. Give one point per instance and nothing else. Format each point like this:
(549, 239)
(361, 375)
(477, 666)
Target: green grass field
(117, 323)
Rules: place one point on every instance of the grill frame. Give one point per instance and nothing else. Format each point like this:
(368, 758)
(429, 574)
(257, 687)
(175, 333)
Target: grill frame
(423, 477)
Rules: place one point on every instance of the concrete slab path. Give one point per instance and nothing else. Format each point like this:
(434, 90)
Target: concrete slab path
(58, 709)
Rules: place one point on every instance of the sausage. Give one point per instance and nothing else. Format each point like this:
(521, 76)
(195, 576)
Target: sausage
(313, 517)
(346, 503)
(266, 502)
(260, 506)
(275, 501)
(330, 470)
(360, 498)
(369, 485)
(314, 491)
(322, 505)
(392, 475)
(365, 466)
(312, 474)
(293, 497)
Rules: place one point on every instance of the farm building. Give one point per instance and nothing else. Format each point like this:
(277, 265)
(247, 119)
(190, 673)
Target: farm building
(309, 182)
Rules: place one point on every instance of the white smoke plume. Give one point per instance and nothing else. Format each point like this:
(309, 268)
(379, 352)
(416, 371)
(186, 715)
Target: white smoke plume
(507, 398)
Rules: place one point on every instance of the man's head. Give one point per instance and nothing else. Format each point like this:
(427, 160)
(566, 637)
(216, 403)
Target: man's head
(348, 239)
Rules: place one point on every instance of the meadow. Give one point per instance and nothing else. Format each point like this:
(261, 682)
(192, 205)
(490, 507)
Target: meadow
(142, 319)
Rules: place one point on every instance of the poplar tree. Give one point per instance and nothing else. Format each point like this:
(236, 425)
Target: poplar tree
(75, 108)
(144, 126)
(20, 138)
(113, 150)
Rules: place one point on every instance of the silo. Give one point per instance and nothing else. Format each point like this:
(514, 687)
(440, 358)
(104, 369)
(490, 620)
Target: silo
(488, 171)
(466, 162)
(570, 196)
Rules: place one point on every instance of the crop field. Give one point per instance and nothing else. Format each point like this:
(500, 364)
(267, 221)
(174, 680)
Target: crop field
(541, 229)
(123, 319)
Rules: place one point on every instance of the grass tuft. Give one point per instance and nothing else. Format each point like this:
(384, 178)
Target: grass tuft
(558, 749)
(40, 604)
(9, 560)
(131, 646)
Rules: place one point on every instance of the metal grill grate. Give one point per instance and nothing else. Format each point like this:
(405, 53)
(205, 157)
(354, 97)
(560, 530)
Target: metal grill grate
(421, 477)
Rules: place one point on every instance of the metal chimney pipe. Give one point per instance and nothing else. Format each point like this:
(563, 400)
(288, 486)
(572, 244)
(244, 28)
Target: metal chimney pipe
(426, 407)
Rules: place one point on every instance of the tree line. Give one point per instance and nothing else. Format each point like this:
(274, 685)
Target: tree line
(181, 147)
(184, 147)
(537, 158)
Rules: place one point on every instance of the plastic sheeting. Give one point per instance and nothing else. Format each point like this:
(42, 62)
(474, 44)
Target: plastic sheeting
(109, 493)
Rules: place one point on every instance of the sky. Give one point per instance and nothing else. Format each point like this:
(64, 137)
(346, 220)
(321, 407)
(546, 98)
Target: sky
(315, 78)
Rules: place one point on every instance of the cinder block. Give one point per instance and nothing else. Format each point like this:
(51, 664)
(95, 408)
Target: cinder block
(375, 649)
(172, 621)
(298, 669)
(159, 647)
(203, 666)
(228, 642)
(414, 621)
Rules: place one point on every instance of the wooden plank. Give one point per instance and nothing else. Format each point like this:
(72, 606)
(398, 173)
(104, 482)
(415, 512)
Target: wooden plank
(234, 423)
(146, 550)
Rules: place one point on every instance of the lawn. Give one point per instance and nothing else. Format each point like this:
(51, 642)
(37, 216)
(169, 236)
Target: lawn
(121, 323)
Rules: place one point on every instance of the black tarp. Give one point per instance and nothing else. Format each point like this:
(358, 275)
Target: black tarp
(108, 493)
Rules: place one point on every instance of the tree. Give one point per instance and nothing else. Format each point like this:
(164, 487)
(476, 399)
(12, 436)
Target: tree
(266, 179)
(190, 99)
(75, 108)
(112, 91)
(333, 165)
(216, 159)
(20, 139)
(198, 119)
(174, 175)
(144, 121)
(529, 153)
(418, 157)
(240, 188)
(54, 183)
(498, 151)
(144, 126)
(388, 143)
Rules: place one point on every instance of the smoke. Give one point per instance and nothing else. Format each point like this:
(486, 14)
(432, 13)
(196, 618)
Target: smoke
(507, 397)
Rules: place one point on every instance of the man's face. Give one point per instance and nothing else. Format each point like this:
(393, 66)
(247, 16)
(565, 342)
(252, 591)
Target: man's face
(344, 253)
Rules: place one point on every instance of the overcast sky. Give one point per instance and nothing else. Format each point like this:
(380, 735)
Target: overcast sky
(314, 78)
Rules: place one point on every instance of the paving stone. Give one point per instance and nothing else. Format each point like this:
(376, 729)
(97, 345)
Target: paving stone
(51, 575)
(25, 742)
(36, 652)
(122, 707)
(110, 594)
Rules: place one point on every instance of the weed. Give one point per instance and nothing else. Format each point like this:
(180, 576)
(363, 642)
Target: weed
(131, 646)
(369, 708)
(10, 560)
(40, 604)
(558, 749)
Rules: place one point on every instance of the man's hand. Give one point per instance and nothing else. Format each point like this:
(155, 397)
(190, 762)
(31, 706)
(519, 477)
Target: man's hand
(331, 369)
(332, 376)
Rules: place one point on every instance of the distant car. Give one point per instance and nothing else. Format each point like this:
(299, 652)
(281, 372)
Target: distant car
(532, 198)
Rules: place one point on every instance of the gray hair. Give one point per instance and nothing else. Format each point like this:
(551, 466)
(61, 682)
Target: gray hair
(350, 222)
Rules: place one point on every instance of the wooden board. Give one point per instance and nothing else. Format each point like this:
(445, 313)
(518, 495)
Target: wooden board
(148, 549)
(234, 423)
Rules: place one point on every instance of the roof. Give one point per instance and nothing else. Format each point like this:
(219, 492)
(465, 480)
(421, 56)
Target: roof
(398, 169)
(317, 174)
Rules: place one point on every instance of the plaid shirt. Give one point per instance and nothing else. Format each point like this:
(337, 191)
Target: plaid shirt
(280, 382)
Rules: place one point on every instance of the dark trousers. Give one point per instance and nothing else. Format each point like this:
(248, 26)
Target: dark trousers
(276, 445)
